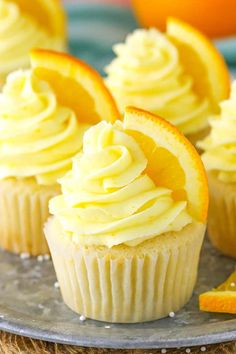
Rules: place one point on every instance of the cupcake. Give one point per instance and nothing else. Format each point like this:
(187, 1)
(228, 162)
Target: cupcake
(174, 74)
(127, 230)
(40, 131)
(23, 27)
(219, 159)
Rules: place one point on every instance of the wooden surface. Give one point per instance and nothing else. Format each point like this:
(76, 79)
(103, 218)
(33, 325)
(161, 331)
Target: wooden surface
(12, 344)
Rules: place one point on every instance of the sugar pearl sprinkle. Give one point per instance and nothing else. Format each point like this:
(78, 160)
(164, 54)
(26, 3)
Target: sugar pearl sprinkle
(24, 255)
(56, 285)
(171, 314)
(40, 258)
(43, 257)
(163, 351)
(107, 326)
(203, 349)
(188, 350)
(47, 257)
(82, 318)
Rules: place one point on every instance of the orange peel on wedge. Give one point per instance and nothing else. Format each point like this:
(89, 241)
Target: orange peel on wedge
(222, 299)
(172, 160)
(76, 85)
(201, 60)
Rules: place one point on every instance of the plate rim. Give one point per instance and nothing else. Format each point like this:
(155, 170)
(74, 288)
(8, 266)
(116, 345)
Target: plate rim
(115, 341)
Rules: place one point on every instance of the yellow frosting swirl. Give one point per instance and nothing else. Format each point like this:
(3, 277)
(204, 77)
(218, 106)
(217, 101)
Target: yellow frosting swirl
(220, 145)
(108, 199)
(19, 34)
(38, 137)
(147, 73)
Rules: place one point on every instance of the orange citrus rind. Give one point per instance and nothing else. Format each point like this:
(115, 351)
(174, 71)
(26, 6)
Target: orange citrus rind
(201, 60)
(76, 84)
(173, 161)
(222, 299)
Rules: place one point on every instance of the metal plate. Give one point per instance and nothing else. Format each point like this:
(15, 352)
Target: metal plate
(30, 305)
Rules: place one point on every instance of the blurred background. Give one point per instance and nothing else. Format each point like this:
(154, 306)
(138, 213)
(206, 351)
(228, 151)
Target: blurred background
(95, 25)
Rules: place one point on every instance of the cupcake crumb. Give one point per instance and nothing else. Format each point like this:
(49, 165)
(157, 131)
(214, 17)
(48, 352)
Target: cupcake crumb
(40, 258)
(171, 314)
(24, 255)
(56, 285)
(47, 257)
(82, 318)
(203, 349)
(107, 326)
(188, 350)
(163, 351)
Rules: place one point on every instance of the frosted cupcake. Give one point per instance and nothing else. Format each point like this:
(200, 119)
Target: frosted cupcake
(172, 74)
(23, 27)
(39, 134)
(127, 232)
(220, 161)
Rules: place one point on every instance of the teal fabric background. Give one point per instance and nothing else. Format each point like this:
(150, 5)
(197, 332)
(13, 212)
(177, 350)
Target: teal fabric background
(93, 29)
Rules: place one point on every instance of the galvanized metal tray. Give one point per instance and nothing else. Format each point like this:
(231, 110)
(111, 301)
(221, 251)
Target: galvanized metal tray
(31, 305)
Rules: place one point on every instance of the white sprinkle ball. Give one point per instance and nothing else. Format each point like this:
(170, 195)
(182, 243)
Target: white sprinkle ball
(46, 257)
(56, 285)
(40, 258)
(171, 314)
(107, 326)
(82, 318)
(163, 351)
(203, 349)
(188, 350)
(24, 255)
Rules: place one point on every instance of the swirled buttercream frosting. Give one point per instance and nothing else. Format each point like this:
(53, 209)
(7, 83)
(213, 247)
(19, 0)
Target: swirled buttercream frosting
(38, 136)
(147, 73)
(108, 199)
(220, 144)
(18, 34)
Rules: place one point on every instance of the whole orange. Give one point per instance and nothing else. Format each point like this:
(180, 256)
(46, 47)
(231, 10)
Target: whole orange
(216, 18)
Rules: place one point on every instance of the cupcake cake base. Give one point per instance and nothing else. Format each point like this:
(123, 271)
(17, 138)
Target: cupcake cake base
(23, 212)
(127, 284)
(221, 217)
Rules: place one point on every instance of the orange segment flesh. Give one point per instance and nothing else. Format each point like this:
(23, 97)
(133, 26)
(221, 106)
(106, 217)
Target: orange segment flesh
(48, 13)
(76, 85)
(221, 299)
(201, 60)
(172, 161)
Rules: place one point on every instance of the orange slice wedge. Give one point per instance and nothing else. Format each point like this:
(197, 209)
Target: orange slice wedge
(48, 13)
(76, 85)
(221, 299)
(172, 161)
(201, 60)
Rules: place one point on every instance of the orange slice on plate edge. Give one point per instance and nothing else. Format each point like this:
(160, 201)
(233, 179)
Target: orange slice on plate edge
(201, 60)
(222, 299)
(76, 84)
(172, 161)
(47, 13)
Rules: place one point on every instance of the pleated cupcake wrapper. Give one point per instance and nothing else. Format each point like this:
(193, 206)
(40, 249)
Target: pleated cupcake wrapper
(23, 212)
(222, 216)
(125, 289)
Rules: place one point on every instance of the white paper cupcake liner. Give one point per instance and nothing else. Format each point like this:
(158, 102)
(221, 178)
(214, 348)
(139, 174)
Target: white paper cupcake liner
(127, 284)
